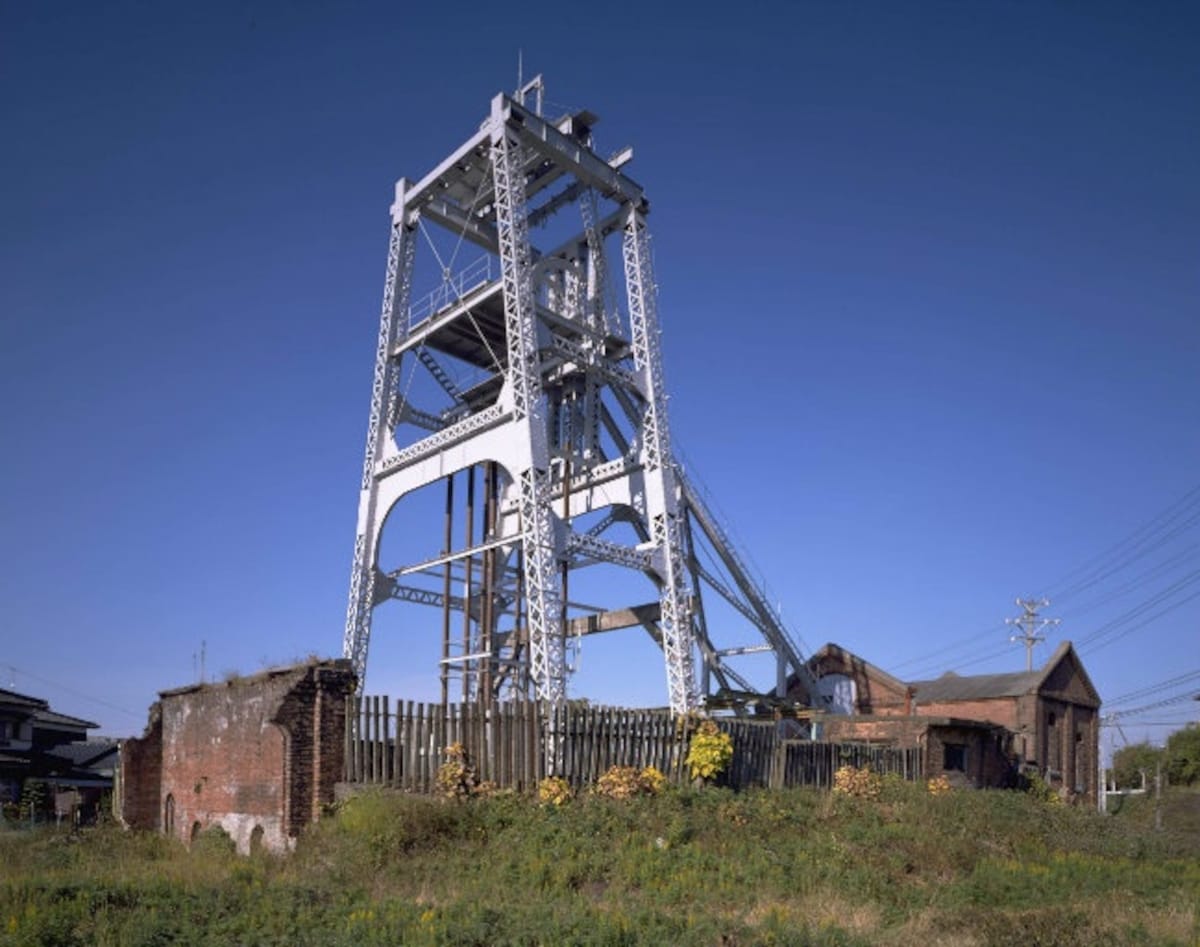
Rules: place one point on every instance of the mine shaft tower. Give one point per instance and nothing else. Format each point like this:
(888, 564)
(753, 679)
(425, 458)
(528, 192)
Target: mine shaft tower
(549, 436)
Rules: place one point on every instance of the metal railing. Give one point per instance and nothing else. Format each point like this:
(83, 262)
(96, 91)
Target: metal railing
(452, 289)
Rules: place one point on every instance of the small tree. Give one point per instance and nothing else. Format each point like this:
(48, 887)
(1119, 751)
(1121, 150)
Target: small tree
(35, 798)
(1183, 756)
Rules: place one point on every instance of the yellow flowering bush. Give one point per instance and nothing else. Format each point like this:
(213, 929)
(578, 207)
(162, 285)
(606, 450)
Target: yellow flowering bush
(939, 785)
(709, 752)
(625, 782)
(554, 791)
(456, 778)
(652, 781)
(852, 781)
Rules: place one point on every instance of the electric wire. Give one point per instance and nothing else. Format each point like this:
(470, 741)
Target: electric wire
(1157, 615)
(1156, 572)
(1149, 689)
(1156, 705)
(73, 692)
(1134, 539)
(1161, 529)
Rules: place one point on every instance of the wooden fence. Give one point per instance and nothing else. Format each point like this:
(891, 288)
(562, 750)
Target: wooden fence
(515, 745)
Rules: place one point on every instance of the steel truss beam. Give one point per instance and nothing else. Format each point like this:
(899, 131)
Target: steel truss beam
(541, 321)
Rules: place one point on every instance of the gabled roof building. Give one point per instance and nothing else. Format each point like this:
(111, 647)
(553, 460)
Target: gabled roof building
(40, 744)
(980, 730)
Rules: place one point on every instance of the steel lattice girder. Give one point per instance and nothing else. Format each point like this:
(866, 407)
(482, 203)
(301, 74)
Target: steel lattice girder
(554, 349)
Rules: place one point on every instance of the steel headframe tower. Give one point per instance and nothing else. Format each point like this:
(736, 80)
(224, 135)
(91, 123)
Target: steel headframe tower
(565, 417)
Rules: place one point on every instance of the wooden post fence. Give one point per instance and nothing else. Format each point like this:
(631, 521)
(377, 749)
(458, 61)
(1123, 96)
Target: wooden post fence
(516, 744)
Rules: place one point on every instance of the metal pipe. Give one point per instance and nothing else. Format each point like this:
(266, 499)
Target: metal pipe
(467, 563)
(447, 539)
(489, 564)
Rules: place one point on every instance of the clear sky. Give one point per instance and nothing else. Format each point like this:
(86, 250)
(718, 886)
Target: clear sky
(928, 283)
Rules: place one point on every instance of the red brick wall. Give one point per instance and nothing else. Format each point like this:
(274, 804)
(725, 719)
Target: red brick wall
(988, 764)
(222, 756)
(1002, 711)
(894, 731)
(257, 756)
(139, 777)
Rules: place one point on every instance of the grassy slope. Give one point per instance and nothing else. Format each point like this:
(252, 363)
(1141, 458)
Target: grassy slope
(686, 868)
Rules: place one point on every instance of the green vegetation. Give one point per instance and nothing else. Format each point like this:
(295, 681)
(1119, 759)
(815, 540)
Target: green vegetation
(1183, 756)
(709, 751)
(1135, 765)
(898, 867)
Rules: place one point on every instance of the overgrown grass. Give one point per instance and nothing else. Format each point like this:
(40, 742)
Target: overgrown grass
(982, 869)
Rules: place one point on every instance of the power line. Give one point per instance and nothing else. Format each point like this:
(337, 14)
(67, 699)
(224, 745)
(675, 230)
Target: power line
(1176, 681)
(1182, 722)
(1113, 628)
(1155, 572)
(74, 693)
(1133, 540)
(1179, 699)
(1120, 555)
(924, 659)
(1112, 631)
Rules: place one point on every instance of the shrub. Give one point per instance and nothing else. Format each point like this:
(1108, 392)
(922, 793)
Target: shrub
(652, 781)
(939, 785)
(456, 778)
(35, 799)
(863, 783)
(554, 790)
(709, 752)
(625, 782)
(1041, 790)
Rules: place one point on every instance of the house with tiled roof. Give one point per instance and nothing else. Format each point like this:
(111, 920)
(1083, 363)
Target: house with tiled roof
(978, 730)
(51, 749)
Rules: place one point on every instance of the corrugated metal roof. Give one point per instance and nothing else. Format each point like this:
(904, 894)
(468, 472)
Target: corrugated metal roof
(951, 686)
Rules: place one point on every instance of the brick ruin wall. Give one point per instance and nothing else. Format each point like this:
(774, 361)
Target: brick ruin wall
(257, 756)
(137, 796)
(988, 761)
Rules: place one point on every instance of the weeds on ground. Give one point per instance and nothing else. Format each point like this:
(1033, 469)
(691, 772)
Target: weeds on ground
(901, 867)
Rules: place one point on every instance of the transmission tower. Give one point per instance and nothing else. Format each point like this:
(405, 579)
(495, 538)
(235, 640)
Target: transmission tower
(1031, 625)
(529, 390)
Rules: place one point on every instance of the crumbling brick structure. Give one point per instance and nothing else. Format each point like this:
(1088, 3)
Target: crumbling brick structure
(257, 756)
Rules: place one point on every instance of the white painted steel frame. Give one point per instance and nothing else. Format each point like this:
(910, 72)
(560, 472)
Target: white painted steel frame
(571, 340)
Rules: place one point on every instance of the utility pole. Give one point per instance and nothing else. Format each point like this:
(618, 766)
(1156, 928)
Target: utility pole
(1031, 625)
(1158, 779)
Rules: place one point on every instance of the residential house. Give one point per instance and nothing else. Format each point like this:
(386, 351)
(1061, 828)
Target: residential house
(52, 749)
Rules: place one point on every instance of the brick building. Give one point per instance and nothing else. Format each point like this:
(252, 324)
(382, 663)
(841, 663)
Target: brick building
(257, 756)
(980, 730)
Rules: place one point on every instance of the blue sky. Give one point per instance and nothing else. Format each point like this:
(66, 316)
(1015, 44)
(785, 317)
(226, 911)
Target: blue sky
(928, 283)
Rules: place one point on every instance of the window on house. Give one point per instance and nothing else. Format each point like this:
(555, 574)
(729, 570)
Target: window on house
(954, 757)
